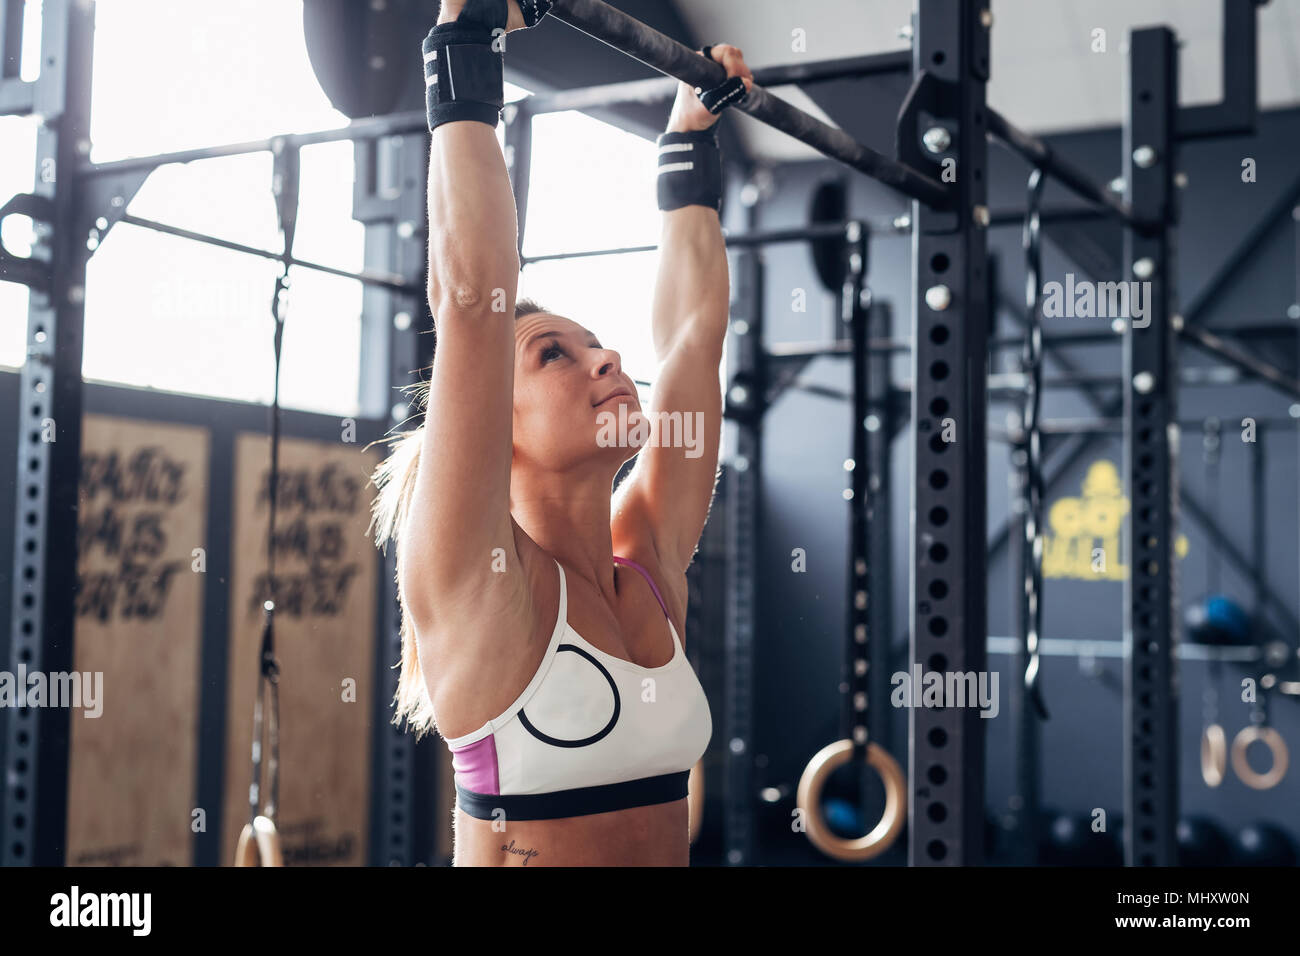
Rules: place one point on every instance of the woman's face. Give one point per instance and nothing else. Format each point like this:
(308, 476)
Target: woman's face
(568, 393)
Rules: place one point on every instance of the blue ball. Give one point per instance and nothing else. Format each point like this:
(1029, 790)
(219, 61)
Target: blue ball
(842, 818)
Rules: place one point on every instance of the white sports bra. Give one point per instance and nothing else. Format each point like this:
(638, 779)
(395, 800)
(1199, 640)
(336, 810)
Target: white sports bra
(590, 733)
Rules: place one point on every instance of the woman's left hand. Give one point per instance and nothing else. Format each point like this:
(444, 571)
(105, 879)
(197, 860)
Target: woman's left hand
(688, 112)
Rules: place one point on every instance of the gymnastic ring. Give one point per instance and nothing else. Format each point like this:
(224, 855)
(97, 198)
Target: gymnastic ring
(695, 799)
(259, 844)
(1214, 753)
(808, 799)
(1247, 736)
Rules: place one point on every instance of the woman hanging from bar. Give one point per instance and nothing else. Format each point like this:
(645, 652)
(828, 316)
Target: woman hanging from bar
(542, 618)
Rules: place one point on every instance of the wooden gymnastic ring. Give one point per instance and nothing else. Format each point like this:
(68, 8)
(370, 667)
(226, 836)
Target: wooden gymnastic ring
(1247, 736)
(695, 799)
(808, 799)
(259, 844)
(1214, 754)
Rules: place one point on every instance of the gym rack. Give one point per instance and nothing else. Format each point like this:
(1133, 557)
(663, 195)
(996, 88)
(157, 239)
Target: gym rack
(75, 203)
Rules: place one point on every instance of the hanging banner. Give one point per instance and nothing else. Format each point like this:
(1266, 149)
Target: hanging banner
(326, 570)
(140, 577)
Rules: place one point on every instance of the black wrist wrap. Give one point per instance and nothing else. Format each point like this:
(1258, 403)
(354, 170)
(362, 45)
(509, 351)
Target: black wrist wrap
(463, 73)
(690, 170)
(534, 10)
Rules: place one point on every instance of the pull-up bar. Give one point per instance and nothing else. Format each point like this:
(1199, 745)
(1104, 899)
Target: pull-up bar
(630, 36)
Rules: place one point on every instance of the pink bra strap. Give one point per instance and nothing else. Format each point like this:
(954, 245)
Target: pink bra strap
(649, 580)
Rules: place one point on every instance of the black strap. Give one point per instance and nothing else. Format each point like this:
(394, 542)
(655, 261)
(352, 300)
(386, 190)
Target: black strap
(492, 14)
(284, 185)
(720, 97)
(534, 10)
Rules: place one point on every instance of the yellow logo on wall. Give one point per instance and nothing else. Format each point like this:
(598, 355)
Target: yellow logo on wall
(1084, 533)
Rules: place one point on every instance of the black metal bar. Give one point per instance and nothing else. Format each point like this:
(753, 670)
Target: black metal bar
(389, 190)
(799, 234)
(394, 124)
(1038, 153)
(1115, 426)
(16, 96)
(1241, 359)
(1005, 383)
(949, 581)
(1051, 214)
(1235, 114)
(392, 283)
(855, 721)
(1016, 381)
(799, 351)
(33, 827)
(630, 36)
(1060, 338)
(880, 552)
(658, 89)
(741, 240)
(1150, 462)
(11, 38)
(746, 375)
(1259, 520)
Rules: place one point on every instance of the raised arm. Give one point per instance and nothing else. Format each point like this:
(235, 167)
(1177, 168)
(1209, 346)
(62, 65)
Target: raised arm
(459, 510)
(670, 490)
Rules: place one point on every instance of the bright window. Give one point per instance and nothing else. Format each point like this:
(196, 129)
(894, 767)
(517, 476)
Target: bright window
(593, 186)
(169, 313)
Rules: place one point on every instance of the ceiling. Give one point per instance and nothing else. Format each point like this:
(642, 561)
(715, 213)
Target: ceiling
(1045, 75)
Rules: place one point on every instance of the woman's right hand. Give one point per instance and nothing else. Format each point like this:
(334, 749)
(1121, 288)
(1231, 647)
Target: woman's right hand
(451, 9)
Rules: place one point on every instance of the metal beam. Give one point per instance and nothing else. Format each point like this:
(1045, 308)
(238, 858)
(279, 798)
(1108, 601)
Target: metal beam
(759, 237)
(660, 89)
(949, 572)
(1240, 359)
(394, 124)
(1235, 114)
(630, 36)
(33, 827)
(745, 376)
(1151, 460)
(393, 283)
(1038, 153)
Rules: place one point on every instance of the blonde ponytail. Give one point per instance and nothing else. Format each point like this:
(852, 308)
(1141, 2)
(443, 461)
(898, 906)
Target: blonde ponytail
(395, 480)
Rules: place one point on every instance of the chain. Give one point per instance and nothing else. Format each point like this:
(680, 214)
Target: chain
(1032, 459)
